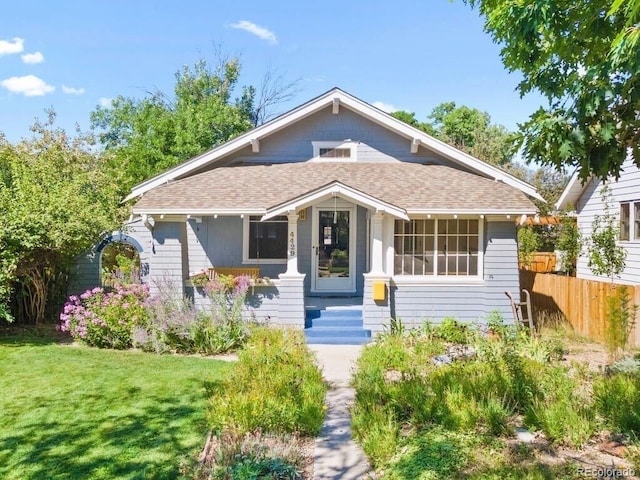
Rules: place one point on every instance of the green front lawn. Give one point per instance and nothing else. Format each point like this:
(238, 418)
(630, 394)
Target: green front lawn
(71, 412)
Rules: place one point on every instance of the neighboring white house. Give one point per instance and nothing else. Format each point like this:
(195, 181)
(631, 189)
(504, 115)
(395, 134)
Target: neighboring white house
(586, 200)
(336, 198)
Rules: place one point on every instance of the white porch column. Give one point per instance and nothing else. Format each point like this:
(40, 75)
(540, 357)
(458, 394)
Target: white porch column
(292, 245)
(376, 244)
(291, 283)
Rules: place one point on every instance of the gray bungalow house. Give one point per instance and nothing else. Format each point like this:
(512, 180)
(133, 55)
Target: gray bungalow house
(337, 199)
(585, 199)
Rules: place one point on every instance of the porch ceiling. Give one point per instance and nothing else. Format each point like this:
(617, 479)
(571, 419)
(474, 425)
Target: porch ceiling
(405, 186)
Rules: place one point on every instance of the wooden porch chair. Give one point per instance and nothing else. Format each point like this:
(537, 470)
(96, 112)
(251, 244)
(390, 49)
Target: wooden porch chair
(253, 272)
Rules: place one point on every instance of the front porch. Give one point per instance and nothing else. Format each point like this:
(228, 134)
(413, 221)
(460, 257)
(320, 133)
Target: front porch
(315, 254)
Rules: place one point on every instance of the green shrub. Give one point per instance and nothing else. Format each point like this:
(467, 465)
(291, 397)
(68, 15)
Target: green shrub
(528, 243)
(450, 330)
(275, 387)
(495, 322)
(433, 454)
(617, 399)
(628, 365)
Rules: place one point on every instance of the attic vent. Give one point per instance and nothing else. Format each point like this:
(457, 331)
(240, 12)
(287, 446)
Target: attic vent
(335, 152)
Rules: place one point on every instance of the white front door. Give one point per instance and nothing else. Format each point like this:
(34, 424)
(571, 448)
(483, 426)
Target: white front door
(334, 253)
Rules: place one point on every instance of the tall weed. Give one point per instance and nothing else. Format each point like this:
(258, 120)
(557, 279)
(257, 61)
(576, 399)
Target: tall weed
(617, 398)
(563, 415)
(621, 313)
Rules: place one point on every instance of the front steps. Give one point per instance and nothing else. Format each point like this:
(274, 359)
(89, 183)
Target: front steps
(336, 326)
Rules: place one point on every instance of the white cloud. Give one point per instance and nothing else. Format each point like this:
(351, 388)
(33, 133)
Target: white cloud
(257, 30)
(385, 107)
(15, 45)
(35, 57)
(105, 102)
(72, 90)
(29, 86)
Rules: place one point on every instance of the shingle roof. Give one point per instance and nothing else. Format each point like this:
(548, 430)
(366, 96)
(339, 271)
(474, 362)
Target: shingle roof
(405, 185)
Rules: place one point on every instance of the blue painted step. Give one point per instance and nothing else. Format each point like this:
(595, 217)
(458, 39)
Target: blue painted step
(335, 322)
(336, 326)
(337, 332)
(335, 313)
(338, 341)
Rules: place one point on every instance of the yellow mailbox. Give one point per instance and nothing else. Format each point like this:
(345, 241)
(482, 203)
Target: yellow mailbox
(379, 291)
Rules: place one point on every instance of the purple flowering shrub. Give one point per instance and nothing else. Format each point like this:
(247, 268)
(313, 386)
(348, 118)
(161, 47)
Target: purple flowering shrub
(106, 319)
(170, 322)
(228, 294)
(174, 325)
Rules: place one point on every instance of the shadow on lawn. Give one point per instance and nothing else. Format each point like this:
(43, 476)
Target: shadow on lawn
(32, 335)
(134, 446)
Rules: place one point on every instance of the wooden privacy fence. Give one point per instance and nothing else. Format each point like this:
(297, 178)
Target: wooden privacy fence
(540, 262)
(582, 302)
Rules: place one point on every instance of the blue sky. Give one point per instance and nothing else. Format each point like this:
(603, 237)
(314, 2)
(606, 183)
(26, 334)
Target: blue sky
(411, 55)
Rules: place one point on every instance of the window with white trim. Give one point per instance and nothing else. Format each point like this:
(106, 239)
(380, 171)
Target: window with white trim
(266, 240)
(439, 247)
(630, 221)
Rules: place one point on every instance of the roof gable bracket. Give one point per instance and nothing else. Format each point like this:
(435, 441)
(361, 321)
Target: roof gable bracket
(255, 145)
(335, 108)
(415, 143)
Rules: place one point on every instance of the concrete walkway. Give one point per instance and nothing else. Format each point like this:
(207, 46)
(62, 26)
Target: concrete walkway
(336, 455)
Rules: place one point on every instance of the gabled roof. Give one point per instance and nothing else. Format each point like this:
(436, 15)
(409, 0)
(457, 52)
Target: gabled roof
(572, 192)
(399, 189)
(335, 189)
(337, 99)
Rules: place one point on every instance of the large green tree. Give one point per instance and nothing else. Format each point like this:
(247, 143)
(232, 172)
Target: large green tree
(56, 199)
(159, 131)
(466, 128)
(584, 57)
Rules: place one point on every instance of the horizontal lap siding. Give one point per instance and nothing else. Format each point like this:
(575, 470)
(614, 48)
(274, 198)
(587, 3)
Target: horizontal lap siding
(500, 267)
(417, 303)
(377, 144)
(197, 238)
(627, 188)
(262, 304)
(166, 269)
